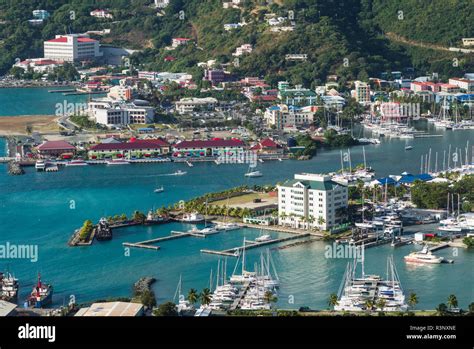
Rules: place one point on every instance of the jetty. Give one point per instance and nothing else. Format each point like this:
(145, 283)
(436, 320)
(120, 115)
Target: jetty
(439, 247)
(241, 295)
(235, 251)
(150, 247)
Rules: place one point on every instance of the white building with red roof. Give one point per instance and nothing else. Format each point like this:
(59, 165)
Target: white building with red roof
(55, 149)
(179, 42)
(267, 146)
(214, 148)
(39, 65)
(135, 148)
(72, 48)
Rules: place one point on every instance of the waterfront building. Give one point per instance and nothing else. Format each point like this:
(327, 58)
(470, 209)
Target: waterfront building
(230, 148)
(465, 85)
(119, 113)
(188, 105)
(39, 65)
(449, 88)
(120, 92)
(267, 146)
(72, 48)
(101, 13)
(296, 96)
(55, 149)
(112, 309)
(361, 92)
(282, 116)
(136, 148)
(312, 200)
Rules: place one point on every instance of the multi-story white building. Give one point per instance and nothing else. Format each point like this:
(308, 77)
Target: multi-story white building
(465, 85)
(188, 105)
(311, 200)
(243, 49)
(71, 48)
(115, 113)
(282, 116)
(162, 3)
(361, 92)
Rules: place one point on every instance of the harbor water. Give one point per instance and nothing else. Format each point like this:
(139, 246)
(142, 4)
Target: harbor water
(43, 209)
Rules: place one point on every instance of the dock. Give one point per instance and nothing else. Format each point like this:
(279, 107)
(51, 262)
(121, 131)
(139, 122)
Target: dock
(128, 244)
(439, 247)
(62, 91)
(235, 251)
(241, 295)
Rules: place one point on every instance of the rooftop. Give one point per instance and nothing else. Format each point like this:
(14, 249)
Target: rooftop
(54, 145)
(138, 144)
(209, 143)
(111, 309)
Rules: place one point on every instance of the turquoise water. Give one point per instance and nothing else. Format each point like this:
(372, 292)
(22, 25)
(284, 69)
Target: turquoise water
(45, 208)
(33, 101)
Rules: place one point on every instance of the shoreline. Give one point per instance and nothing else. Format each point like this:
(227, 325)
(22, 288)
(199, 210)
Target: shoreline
(16, 125)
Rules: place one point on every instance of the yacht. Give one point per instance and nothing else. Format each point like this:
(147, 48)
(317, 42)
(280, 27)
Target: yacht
(40, 165)
(227, 226)
(117, 162)
(254, 174)
(408, 147)
(263, 238)
(179, 173)
(77, 162)
(423, 256)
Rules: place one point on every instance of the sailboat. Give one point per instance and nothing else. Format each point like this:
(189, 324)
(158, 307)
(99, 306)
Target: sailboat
(251, 173)
(183, 304)
(245, 276)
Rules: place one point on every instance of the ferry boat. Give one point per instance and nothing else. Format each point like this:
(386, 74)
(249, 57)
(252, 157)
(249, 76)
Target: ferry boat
(77, 162)
(193, 217)
(117, 162)
(423, 256)
(8, 287)
(40, 165)
(41, 295)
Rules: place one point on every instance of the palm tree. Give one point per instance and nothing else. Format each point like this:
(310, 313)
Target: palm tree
(413, 300)
(269, 297)
(441, 309)
(452, 301)
(333, 301)
(321, 220)
(369, 305)
(193, 296)
(205, 296)
(381, 303)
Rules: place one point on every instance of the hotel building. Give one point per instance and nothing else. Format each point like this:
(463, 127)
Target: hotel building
(311, 200)
(223, 148)
(71, 48)
(361, 93)
(283, 116)
(118, 113)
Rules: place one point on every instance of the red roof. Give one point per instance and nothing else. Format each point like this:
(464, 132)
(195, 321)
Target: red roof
(138, 144)
(210, 143)
(56, 145)
(265, 143)
(64, 39)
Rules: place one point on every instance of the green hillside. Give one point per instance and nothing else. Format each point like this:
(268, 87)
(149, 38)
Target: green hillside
(354, 38)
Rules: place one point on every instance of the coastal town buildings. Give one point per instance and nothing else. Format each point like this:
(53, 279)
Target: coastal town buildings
(282, 115)
(361, 92)
(311, 200)
(109, 112)
(176, 42)
(72, 48)
(101, 13)
(296, 96)
(465, 85)
(188, 105)
(135, 148)
(224, 148)
(55, 148)
(39, 65)
(243, 49)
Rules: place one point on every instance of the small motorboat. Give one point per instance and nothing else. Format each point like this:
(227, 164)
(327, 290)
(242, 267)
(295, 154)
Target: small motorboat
(159, 190)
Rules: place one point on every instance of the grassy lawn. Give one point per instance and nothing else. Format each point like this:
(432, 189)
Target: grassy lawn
(244, 199)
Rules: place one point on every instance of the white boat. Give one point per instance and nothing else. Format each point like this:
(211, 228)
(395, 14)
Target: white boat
(227, 226)
(208, 231)
(254, 174)
(40, 165)
(159, 190)
(117, 162)
(183, 304)
(77, 162)
(408, 147)
(263, 238)
(424, 256)
(179, 173)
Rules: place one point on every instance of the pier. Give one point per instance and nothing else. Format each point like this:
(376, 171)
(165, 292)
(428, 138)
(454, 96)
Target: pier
(241, 295)
(129, 244)
(235, 251)
(439, 247)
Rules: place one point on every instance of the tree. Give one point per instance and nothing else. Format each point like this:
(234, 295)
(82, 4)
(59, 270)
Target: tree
(441, 309)
(166, 309)
(369, 304)
(147, 298)
(333, 301)
(205, 296)
(139, 217)
(452, 301)
(269, 297)
(381, 303)
(193, 296)
(471, 308)
(412, 300)
(321, 220)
